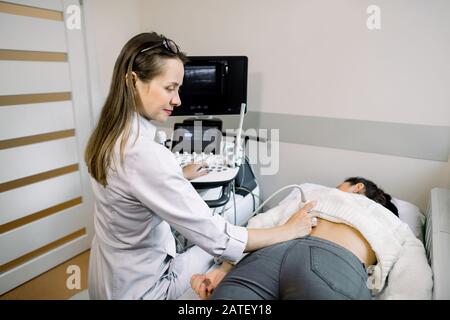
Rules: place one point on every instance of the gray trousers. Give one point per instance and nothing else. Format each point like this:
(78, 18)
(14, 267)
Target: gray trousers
(303, 269)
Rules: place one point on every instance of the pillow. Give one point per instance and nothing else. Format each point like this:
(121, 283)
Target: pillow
(407, 212)
(411, 215)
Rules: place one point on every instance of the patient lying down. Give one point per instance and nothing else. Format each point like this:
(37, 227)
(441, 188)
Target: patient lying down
(355, 233)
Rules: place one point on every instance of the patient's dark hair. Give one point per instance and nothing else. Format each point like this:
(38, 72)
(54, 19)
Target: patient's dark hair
(373, 192)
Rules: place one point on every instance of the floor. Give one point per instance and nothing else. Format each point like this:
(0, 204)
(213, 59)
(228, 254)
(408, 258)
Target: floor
(51, 285)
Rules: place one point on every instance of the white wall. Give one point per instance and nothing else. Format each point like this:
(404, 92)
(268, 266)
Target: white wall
(316, 58)
(110, 24)
(403, 178)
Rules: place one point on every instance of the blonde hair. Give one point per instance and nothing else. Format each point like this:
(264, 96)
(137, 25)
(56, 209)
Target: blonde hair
(117, 112)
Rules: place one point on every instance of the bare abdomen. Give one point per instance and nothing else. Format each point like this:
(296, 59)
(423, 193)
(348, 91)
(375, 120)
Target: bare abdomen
(347, 237)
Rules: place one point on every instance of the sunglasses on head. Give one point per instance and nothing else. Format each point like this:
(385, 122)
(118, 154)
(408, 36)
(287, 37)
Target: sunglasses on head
(168, 44)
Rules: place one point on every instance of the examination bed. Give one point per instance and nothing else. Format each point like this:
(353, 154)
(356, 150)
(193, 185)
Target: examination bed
(432, 228)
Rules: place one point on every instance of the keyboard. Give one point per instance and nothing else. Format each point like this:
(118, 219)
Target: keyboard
(220, 169)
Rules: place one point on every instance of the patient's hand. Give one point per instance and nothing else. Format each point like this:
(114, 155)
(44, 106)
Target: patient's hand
(204, 284)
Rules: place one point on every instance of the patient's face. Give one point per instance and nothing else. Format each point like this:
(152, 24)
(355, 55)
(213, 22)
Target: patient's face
(344, 186)
(347, 187)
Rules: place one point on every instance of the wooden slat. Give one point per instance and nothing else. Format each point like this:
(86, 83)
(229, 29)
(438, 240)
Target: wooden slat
(28, 271)
(21, 260)
(34, 98)
(18, 142)
(39, 215)
(40, 233)
(36, 178)
(34, 159)
(28, 11)
(44, 4)
(20, 55)
(28, 77)
(39, 196)
(32, 119)
(30, 34)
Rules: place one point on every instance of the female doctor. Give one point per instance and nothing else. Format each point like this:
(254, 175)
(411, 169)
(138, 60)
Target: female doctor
(141, 191)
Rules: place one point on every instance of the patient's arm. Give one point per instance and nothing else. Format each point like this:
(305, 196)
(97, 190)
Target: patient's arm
(204, 284)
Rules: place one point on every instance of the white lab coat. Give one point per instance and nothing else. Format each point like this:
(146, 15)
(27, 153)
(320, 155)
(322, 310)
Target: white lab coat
(133, 250)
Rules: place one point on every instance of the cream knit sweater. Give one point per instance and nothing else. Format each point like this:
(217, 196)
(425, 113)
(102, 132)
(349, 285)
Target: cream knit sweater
(390, 238)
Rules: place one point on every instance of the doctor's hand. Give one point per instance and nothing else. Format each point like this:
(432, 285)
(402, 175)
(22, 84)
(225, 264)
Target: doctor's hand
(195, 170)
(204, 284)
(302, 222)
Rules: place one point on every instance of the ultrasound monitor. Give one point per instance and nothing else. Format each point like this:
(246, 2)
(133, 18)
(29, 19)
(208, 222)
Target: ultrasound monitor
(213, 85)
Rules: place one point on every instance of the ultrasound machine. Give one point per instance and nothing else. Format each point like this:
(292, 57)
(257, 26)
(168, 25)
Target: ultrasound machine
(214, 86)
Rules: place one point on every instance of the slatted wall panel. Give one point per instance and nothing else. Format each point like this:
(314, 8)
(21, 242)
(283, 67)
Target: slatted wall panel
(45, 120)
